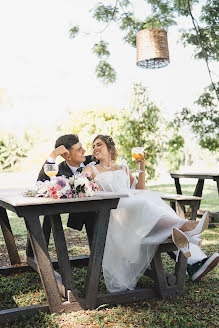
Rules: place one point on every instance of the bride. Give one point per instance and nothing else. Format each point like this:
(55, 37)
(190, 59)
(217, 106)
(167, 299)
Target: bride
(139, 224)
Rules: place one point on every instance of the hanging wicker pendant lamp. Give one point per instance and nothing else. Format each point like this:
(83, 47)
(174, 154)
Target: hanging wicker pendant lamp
(152, 48)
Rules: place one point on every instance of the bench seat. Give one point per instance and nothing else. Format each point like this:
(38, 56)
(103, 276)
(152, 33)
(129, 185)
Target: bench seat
(178, 203)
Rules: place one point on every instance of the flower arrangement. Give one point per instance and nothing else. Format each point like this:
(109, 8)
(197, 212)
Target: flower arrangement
(61, 187)
(83, 185)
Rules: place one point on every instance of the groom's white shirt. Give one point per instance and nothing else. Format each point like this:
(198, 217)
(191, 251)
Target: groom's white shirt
(73, 169)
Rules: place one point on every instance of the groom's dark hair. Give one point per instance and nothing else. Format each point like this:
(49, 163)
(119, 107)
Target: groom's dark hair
(67, 140)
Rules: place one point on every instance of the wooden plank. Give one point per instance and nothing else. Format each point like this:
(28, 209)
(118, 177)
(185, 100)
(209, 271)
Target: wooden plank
(126, 296)
(180, 271)
(44, 265)
(18, 313)
(159, 274)
(94, 266)
(180, 209)
(9, 237)
(47, 228)
(17, 268)
(199, 188)
(178, 186)
(62, 255)
(15, 198)
(32, 263)
(167, 196)
(192, 175)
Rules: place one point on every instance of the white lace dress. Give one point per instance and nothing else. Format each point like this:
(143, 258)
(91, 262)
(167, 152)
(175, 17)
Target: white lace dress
(139, 224)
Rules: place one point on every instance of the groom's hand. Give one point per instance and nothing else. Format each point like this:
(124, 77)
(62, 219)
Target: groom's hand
(59, 151)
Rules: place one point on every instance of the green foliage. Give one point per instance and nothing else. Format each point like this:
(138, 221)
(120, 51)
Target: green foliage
(105, 72)
(204, 123)
(208, 32)
(104, 13)
(139, 126)
(100, 49)
(74, 31)
(164, 13)
(12, 150)
(89, 124)
(173, 152)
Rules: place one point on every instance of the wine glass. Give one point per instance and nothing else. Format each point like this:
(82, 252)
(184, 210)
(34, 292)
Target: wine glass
(138, 153)
(51, 170)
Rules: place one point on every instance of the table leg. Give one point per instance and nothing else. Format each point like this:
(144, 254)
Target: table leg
(44, 265)
(62, 254)
(199, 188)
(9, 238)
(46, 231)
(178, 186)
(217, 181)
(96, 256)
(180, 209)
(47, 228)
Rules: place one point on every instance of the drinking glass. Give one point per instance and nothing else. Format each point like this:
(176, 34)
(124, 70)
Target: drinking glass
(137, 152)
(51, 170)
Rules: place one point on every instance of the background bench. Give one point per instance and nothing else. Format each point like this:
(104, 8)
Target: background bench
(178, 203)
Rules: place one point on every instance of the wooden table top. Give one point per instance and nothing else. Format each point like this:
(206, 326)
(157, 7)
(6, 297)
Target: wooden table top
(197, 175)
(14, 197)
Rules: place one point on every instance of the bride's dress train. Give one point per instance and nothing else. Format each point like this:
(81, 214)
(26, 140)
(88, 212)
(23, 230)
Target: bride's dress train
(136, 228)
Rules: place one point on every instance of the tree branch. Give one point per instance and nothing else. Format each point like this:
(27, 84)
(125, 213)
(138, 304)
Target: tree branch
(197, 30)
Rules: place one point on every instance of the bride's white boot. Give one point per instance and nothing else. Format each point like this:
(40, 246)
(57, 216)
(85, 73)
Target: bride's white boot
(196, 240)
(201, 226)
(182, 243)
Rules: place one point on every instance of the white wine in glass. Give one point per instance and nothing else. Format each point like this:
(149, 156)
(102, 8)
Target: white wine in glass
(138, 153)
(51, 170)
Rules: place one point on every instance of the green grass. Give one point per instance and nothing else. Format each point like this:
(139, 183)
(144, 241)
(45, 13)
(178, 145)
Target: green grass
(198, 308)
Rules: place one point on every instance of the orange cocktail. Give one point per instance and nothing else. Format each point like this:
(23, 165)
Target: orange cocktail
(138, 153)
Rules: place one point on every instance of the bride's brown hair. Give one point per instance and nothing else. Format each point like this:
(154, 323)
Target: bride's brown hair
(108, 140)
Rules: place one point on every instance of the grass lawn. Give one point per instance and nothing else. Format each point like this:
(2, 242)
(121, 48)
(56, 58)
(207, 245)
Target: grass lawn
(198, 308)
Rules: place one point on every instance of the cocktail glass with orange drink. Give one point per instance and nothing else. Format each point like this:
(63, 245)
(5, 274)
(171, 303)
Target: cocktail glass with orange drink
(51, 170)
(138, 153)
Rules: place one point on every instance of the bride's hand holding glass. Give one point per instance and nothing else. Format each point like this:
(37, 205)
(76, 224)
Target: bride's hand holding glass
(138, 155)
(51, 170)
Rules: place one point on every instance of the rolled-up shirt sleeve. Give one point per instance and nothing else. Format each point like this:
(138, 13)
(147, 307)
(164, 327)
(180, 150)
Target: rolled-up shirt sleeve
(51, 160)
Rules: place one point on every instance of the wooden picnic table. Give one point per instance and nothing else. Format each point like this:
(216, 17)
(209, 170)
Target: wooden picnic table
(202, 176)
(58, 285)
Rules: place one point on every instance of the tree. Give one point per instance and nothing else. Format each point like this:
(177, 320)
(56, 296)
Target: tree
(164, 13)
(205, 122)
(89, 124)
(140, 126)
(12, 150)
(136, 125)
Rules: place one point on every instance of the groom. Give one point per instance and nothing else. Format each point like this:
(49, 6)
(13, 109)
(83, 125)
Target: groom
(70, 148)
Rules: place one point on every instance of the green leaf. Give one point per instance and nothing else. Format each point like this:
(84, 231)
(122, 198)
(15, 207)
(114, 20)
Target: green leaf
(105, 72)
(74, 31)
(100, 49)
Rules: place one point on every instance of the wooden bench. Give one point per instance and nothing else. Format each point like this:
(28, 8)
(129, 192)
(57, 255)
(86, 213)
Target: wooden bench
(178, 202)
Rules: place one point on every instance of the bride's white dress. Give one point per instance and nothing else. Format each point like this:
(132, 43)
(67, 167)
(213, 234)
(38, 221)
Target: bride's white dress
(136, 228)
